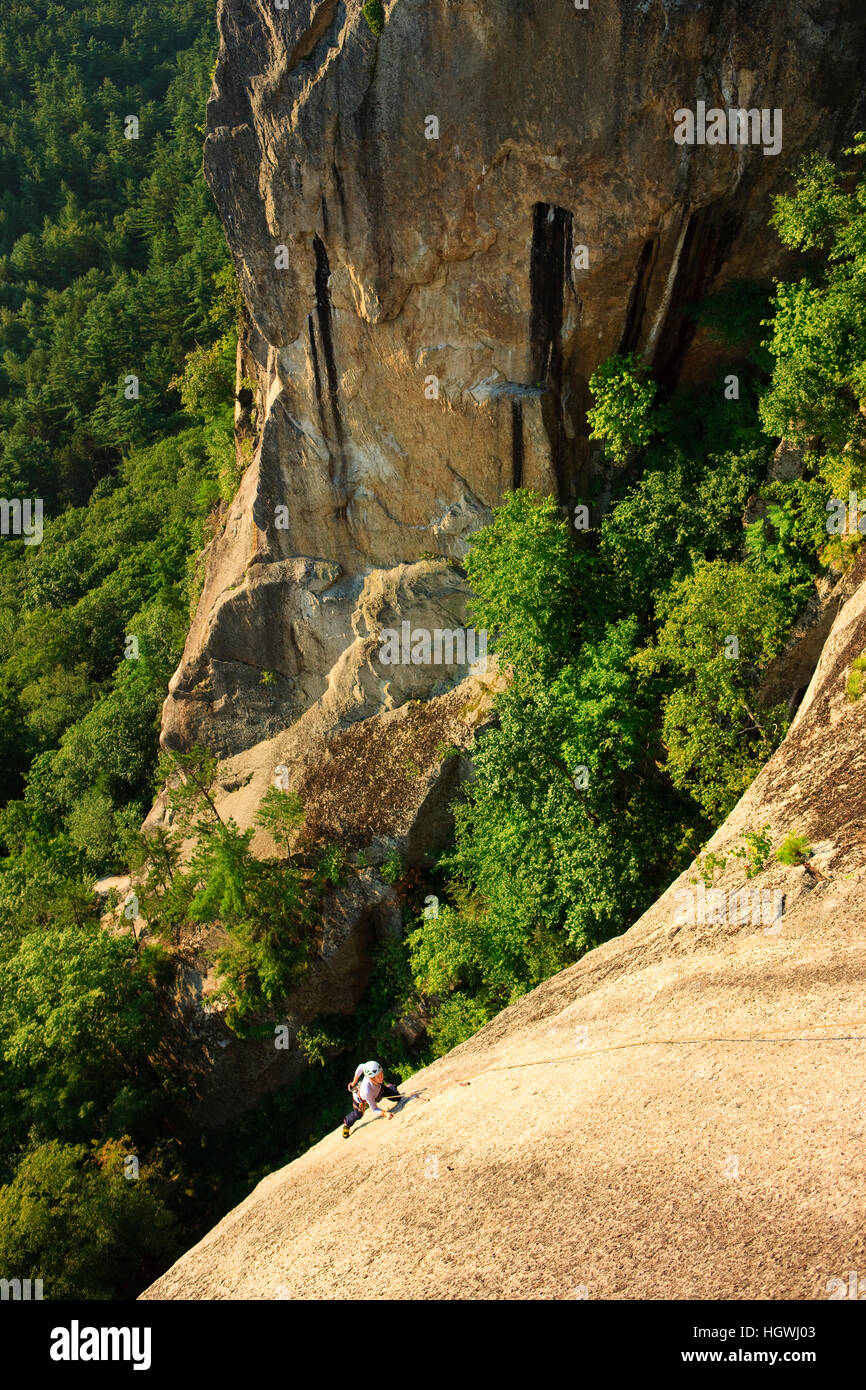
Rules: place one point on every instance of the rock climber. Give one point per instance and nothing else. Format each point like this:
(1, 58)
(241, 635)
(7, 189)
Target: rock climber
(366, 1087)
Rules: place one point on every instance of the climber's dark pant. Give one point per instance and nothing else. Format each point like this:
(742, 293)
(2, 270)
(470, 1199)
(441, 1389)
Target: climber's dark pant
(388, 1091)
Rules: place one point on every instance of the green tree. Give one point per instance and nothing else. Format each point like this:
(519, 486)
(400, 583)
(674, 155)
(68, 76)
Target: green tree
(817, 337)
(625, 413)
(78, 1222)
(524, 575)
(281, 814)
(567, 827)
(720, 628)
(79, 1019)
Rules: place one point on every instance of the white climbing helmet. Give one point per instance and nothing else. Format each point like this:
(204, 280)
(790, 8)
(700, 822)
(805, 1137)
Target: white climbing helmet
(371, 1069)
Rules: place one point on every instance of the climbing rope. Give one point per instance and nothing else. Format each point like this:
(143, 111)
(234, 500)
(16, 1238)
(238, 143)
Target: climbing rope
(765, 1035)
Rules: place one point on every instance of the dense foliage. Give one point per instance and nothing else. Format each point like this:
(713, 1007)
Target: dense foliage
(108, 244)
(636, 715)
(113, 266)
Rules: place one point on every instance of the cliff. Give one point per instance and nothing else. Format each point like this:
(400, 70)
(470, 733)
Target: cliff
(440, 232)
(425, 313)
(679, 1115)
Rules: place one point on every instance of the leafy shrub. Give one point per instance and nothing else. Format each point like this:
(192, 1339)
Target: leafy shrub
(856, 678)
(281, 813)
(716, 737)
(78, 1018)
(793, 850)
(524, 572)
(444, 750)
(817, 331)
(327, 1034)
(681, 510)
(393, 868)
(625, 414)
(755, 851)
(786, 541)
(708, 865)
(332, 865)
(374, 13)
(208, 377)
(458, 1018)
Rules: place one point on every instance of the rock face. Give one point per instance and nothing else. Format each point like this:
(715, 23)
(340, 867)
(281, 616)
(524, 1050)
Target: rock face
(679, 1115)
(439, 234)
(382, 785)
(224, 1076)
(423, 320)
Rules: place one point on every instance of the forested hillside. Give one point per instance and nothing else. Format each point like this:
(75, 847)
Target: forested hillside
(113, 266)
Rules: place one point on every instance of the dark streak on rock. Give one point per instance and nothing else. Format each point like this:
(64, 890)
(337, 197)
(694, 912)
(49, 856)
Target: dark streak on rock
(638, 296)
(546, 280)
(709, 235)
(341, 195)
(323, 314)
(317, 376)
(516, 443)
(326, 340)
(549, 271)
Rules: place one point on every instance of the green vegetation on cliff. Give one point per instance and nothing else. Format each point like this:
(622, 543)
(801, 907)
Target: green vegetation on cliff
(635, 717)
